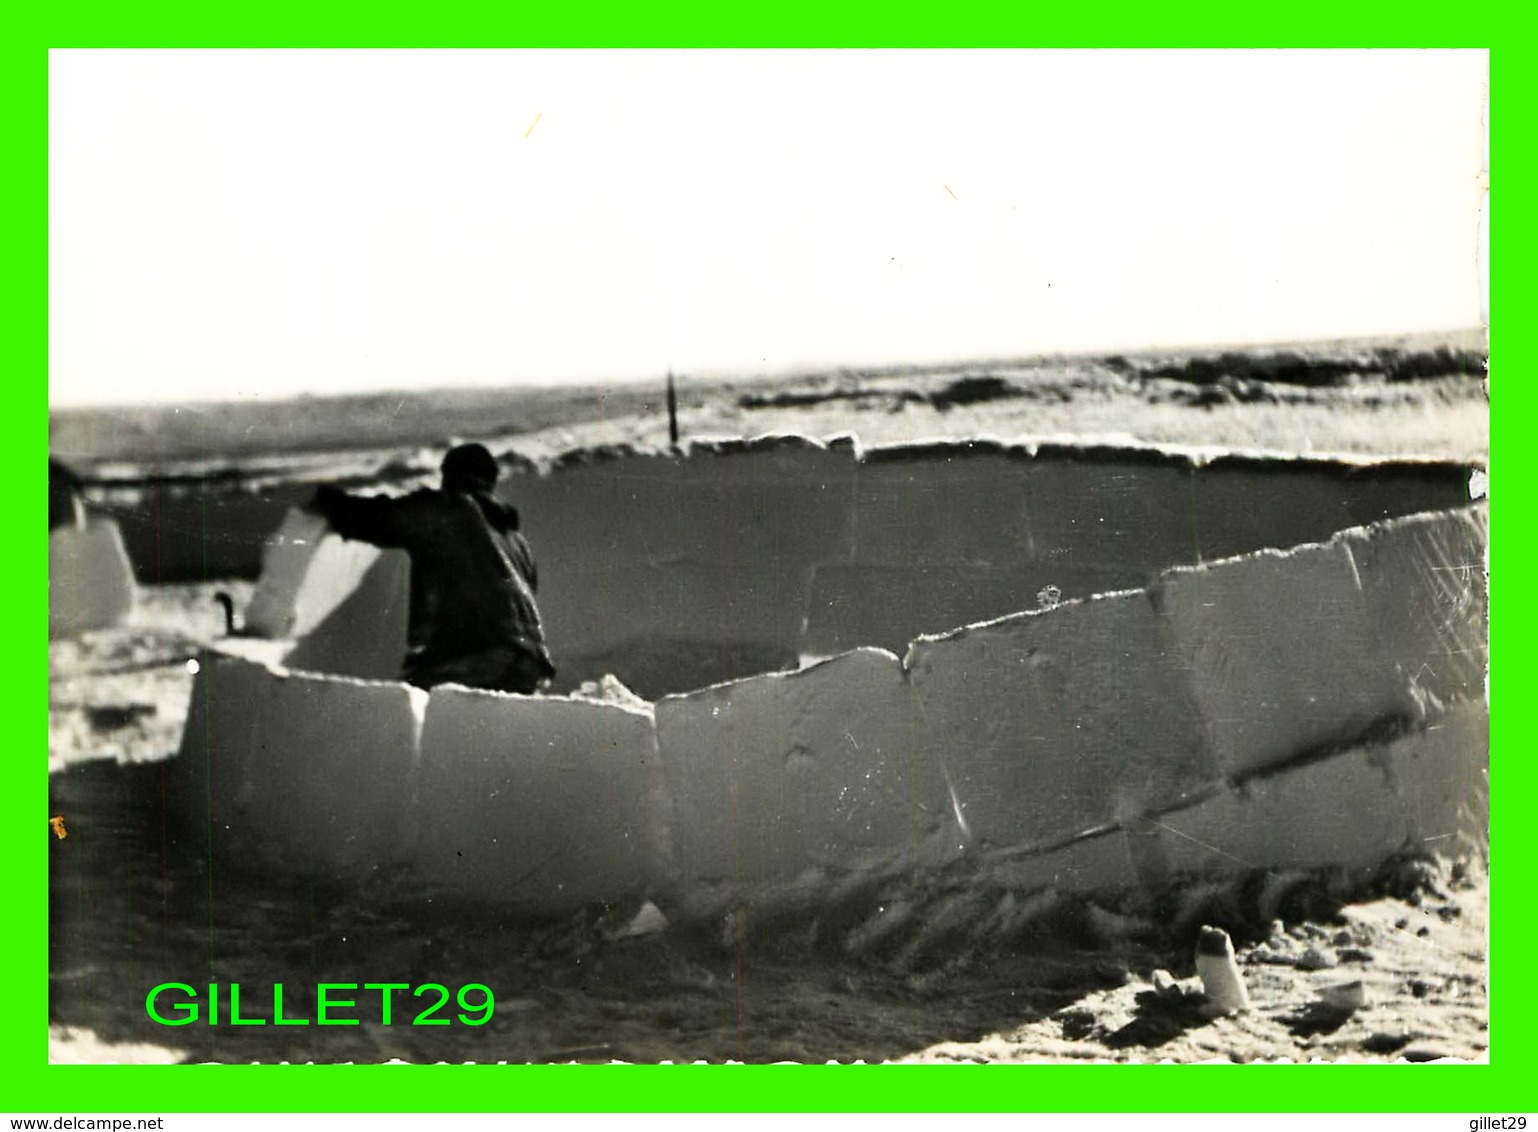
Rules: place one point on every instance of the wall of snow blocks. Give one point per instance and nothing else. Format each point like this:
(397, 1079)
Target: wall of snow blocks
(1039, 727)
(1318, 705)
(755, 553)
(781, 547)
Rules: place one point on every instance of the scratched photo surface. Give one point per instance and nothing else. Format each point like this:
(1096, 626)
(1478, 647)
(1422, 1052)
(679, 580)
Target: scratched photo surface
(1010, 531)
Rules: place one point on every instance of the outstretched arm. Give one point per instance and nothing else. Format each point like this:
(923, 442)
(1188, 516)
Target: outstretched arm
(376, 519)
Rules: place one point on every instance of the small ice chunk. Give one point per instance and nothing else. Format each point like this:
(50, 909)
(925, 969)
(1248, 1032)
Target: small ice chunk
(1221, 980)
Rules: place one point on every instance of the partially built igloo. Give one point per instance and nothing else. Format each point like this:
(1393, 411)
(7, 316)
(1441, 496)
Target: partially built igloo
(1068, 665)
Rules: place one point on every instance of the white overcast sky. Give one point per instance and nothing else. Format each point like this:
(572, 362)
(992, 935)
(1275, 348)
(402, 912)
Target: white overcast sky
(237, 224)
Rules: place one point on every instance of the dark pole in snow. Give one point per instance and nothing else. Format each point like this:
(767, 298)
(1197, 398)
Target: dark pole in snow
(672, 412)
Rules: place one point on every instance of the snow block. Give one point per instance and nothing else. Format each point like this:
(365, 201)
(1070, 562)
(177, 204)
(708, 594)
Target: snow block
(1391, 490)
(1053, 724)
(781, 772)
(586, 610)
(1110, 510)
(1426, 790)
(671, 628)
(363, 635)
(90, 580)
(544, 802)
(310, 774)
(1064, 509)
(1280, 653)
(770, 504)
(941, 504)
(1424, 587)
(225, 718)
(1341, 811)
(887, 607)
(330, 784)
(307, 571)
(1442, 775)
(1244, 503)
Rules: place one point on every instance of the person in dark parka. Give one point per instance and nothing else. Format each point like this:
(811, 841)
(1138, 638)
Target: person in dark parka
(473, 616)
